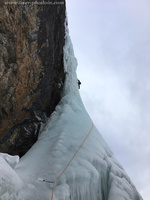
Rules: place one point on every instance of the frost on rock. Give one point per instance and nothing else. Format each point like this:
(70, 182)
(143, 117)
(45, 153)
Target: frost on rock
(92, 174)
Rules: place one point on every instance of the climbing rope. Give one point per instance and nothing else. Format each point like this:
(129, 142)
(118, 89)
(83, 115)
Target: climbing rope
(70, 161)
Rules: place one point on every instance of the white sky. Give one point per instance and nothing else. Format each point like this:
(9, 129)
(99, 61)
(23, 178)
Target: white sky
(111, 40)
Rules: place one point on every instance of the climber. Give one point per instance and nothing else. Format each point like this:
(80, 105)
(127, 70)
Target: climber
(79, 83)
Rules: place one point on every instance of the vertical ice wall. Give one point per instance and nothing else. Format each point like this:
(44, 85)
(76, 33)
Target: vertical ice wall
(93, 174)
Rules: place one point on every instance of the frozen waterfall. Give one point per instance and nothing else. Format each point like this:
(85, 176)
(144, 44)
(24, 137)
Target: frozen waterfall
(93, 173)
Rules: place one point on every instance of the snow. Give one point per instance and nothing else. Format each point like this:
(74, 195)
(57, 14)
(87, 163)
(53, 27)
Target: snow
(93, 174)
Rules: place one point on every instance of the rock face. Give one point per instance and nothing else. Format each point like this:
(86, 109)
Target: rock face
(31, 70)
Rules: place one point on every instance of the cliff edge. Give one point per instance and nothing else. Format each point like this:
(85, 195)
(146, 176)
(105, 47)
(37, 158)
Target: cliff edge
(31, 69)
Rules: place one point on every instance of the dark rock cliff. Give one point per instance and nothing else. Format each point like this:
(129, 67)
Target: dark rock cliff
(31, 69)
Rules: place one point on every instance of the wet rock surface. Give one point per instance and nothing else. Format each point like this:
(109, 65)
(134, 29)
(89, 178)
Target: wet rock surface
(31, 70)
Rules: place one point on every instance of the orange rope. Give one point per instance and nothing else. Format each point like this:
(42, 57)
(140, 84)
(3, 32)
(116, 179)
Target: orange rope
(70, 160)
(53, 190)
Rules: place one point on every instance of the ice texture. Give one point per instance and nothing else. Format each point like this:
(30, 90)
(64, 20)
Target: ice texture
(93, 174)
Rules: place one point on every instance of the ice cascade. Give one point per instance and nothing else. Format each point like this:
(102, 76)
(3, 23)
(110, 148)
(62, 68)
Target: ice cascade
(93, 174)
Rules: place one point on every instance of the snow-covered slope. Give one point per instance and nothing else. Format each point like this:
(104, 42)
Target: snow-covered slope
(92, 174)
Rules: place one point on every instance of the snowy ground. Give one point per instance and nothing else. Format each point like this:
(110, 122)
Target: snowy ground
(93, 174)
